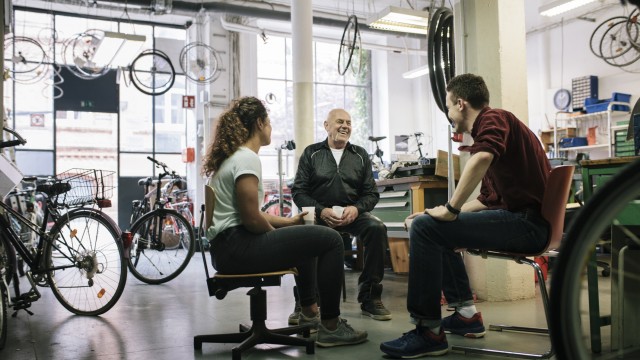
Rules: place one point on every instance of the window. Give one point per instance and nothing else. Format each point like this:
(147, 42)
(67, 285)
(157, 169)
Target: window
(331, 90)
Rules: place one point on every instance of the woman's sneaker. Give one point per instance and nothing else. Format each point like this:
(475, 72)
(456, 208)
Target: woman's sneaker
(460, 325)
(344, 334)
(313, 321)
(294, 318)
(416, 343)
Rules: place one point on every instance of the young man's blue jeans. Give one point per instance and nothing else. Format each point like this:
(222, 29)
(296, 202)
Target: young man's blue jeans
(436, 266)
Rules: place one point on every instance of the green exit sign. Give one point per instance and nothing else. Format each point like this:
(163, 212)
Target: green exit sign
(86, 104)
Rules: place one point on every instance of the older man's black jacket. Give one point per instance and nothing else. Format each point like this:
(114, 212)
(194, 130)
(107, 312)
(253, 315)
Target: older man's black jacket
(320, 183)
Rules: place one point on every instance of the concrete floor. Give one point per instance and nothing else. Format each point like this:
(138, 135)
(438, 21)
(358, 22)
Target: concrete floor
(159, 322)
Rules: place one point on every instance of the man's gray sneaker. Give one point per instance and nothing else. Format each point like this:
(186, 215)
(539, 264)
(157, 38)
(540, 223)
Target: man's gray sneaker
(375, 309)
(314, 321)
(344, 334)
(295, 315)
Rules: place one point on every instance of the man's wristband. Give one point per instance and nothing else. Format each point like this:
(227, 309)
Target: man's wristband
(451, 209)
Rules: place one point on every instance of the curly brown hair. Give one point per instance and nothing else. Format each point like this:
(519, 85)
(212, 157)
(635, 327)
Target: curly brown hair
(235, 126)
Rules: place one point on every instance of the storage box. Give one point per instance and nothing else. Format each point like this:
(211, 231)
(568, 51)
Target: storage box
(603, 106)
(583, 88)
(620, 97)
(10, 176)
(573, 142)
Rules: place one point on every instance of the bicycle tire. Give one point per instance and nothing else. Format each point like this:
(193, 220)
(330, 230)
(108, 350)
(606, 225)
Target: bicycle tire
(352, 25)
(154, 259)
(7, 269)
(275, 203)
(8, 259)
(584, 231)
(598, 38)
(3, 316)
(86, 249)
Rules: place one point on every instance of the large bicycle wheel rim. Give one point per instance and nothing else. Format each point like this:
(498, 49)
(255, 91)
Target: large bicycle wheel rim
(567, 332)
(160, 253)
(89, 249)
(3, 316)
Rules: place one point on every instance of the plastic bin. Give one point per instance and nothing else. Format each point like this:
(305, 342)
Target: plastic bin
(603, 106)
(573, 142)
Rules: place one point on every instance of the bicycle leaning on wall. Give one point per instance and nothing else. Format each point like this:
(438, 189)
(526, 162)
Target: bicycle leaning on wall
(80, 257)
(163, 240)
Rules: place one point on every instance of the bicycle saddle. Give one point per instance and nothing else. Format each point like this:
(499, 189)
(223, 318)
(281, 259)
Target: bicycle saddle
(145, 181)
(376, 138)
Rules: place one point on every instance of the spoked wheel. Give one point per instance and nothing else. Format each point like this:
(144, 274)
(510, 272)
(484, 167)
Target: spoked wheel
(273, 208)
(26, 57)
(86, 257)
(200, 62)
(617, 44)
(3, 316)
(7, 267)
(152, 72)
(615, 205)
(163, 243)
(350, 45)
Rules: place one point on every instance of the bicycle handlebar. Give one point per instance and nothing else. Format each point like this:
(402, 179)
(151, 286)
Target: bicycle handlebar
(11, 143)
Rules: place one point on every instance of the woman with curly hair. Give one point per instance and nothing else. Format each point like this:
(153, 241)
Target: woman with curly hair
(245, 240)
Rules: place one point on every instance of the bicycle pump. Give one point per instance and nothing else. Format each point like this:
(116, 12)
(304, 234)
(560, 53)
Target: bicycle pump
(288, 145)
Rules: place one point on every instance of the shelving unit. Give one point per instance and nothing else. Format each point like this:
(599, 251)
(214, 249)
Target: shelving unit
(604, 119)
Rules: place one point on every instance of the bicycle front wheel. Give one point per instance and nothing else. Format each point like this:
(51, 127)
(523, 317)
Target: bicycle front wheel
(163, 243)
(3, 315)
(607, 211)
(84, 258)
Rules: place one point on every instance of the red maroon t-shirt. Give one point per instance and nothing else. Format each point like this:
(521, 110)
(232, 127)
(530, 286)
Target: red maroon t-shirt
(518, 174)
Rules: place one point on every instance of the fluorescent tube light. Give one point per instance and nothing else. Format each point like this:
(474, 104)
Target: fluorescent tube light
(395, 18)
(558, 7)
(422, 70)
(117, 49)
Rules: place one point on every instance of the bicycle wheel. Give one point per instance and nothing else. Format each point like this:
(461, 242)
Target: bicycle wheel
(568, 313)
(163, 243)
(6, 274)
(348, 43)
(85, 257)
(3, 315)
(273, 207)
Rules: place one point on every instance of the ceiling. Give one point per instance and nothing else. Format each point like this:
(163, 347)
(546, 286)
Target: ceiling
(185, 10)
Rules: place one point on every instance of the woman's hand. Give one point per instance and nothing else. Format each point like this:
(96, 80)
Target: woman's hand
(298, 219)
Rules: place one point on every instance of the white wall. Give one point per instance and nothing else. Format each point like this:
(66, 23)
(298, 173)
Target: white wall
(557, 55)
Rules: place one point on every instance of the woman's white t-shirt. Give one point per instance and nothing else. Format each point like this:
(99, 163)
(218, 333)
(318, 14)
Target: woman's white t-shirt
(225, 214)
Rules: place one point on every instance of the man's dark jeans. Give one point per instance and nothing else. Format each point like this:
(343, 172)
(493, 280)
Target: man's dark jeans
(435, 266)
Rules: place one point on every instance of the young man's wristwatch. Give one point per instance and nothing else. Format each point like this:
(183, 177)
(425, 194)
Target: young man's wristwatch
(451, 209)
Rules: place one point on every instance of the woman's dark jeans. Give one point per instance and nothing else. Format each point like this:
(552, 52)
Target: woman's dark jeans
(311, 249)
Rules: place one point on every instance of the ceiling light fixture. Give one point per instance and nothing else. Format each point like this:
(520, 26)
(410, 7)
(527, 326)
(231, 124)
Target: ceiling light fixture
(117, 49)
(422, 70)
(558, 7)
(394, 18)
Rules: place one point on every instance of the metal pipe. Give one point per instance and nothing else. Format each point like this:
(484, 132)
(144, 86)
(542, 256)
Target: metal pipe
(367, 46)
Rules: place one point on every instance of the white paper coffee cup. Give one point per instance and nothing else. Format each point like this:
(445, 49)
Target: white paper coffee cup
(338, 210)
(309, 219)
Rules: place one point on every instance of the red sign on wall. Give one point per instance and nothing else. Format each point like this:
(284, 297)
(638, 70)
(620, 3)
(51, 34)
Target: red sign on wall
(188, 101)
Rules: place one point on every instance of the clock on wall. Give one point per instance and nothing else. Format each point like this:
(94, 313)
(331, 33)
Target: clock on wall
(562, 99)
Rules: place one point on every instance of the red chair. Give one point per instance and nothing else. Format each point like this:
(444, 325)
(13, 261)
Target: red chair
(553, 210)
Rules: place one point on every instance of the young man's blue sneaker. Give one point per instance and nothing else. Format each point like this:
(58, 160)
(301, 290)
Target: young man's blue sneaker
(416, 343)
(460, 325)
